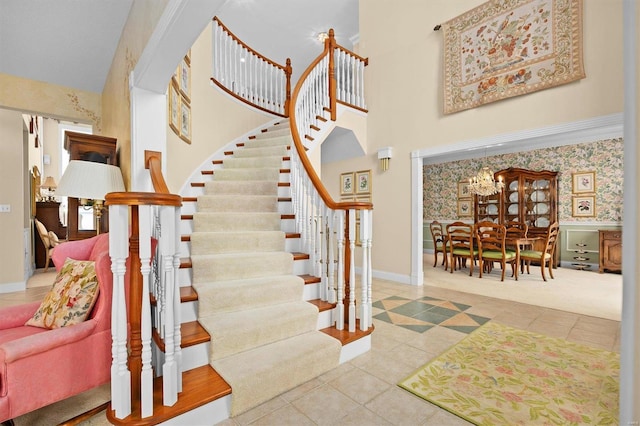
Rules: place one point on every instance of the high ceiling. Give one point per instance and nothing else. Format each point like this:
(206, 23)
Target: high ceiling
(72, 42)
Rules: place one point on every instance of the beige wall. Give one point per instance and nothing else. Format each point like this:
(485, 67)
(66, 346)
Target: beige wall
(215, 119)
(49, 99)
(404, 96)
(12, 192)
(116, 111)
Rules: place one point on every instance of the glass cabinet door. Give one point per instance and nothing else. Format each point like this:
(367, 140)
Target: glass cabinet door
(512, 200)
(488, 208)
(538, 200)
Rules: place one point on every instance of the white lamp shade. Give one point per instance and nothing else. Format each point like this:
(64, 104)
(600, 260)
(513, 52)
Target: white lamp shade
(86, 179)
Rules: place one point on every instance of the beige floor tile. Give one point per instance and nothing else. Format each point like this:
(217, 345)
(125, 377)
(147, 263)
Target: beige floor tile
(386, 368)
(512, 320)
(325, 405)
(303, 389)
(361, 417)
(550, 328)
(360, 386)
(340, 370)
(285, 416)
(400, 407)
(589, 338)
(260, 411)
(410, 355)
(445, 418)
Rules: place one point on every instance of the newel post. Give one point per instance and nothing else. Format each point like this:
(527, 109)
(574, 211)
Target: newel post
(288, 70)
(330, 43)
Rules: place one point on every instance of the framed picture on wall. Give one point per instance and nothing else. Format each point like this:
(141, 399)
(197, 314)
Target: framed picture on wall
(346, 184)
(363, 182)
(184, 78)
(584, 206)
(463, 189)
(584, 182)
(185, 121)
(174, 107)
(465, 208)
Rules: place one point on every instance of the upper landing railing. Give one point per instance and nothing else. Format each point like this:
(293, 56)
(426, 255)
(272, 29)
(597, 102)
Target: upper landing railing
(266, 85)
(247, 75)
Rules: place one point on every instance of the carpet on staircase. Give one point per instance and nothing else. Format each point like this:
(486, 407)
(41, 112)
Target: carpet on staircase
(264, 339)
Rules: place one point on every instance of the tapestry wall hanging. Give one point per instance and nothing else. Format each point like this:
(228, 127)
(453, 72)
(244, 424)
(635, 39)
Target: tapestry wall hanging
(506, 48)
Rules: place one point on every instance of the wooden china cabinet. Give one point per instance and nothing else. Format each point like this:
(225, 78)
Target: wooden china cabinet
(529, 196)
(87, 147)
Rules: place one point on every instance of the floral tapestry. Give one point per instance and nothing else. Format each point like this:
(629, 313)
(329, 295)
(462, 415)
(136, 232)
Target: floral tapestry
(506, 48)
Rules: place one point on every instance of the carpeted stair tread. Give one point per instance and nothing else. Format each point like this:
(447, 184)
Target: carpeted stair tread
(239, 331)
(236, 242)
(269, 174)
(227, 266)
(284, 140)
(246, 187)
(239, 221)
(275, 131)
(262, 373)
(253, 162)
(276, 150)
(234, 295)
(237, 203)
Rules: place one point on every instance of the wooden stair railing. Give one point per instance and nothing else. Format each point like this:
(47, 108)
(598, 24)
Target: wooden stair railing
(249, 76)
(135, 218)
(320, 218)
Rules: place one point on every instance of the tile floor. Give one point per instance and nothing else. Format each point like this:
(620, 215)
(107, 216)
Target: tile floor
(413, 325)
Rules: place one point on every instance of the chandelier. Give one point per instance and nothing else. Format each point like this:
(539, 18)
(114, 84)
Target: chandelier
(484, 184)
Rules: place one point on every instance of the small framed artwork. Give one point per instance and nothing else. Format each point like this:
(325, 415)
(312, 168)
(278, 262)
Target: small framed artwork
(174, 107)
(185, 79)
(185, 121)
(584, 182)
(363, 182)
(464, 208)
(463, 190)
(584, 206)
(346, 184)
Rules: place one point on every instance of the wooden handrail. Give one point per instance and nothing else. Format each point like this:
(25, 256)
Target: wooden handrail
(233, 36)
(153, 162)
(313, 176)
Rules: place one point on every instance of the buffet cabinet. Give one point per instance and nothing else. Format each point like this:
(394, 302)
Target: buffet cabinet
(47, 212)
(610, 251)
(529, 197)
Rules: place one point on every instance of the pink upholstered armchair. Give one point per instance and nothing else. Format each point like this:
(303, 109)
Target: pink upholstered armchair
(39, 366)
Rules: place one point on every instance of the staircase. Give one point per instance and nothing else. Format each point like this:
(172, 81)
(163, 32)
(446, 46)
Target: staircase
(264, 337)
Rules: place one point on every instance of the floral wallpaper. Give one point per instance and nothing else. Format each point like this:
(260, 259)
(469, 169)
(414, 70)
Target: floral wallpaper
(605, 157)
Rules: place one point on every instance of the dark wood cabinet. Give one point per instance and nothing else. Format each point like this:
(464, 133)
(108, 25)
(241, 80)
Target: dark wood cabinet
(100, 149)
(610, 251)
(529, 197)
(47, 212)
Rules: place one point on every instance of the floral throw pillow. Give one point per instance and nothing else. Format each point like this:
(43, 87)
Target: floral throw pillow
(71, 297)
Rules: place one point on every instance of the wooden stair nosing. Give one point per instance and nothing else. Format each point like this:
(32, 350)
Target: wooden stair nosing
(322, 304)
(207, 172)
(200, 386)
(191, 333)
(345, 336)
(197, 184)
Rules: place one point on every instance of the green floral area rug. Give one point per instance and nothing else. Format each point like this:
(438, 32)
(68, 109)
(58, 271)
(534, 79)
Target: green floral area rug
(500, 375)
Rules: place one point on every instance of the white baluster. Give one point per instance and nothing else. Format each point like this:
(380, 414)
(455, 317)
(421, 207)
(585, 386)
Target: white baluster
(177, 335)
(369, 273)
(119, 251)
(145, 216)
(167, 251)
(331, 258)
(340, 295)
(352, 271)
(364, 240)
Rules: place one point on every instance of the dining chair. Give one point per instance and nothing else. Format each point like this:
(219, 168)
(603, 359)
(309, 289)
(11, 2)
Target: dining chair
(49, 240)
(440, 244)
(517, 229)
(545, 257)
(492, 247)
(461, 245)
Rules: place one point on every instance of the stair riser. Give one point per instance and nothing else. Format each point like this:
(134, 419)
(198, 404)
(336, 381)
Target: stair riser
(253, 162)
(236, 242)
(234, 203)
(222, 222)
(233, 333)
(250, 265)
(236, 295)
(215, 412)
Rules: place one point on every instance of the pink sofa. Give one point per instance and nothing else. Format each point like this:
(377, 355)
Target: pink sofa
(39, 366)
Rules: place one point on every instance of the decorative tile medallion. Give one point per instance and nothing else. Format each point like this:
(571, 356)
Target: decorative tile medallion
(426, 312)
